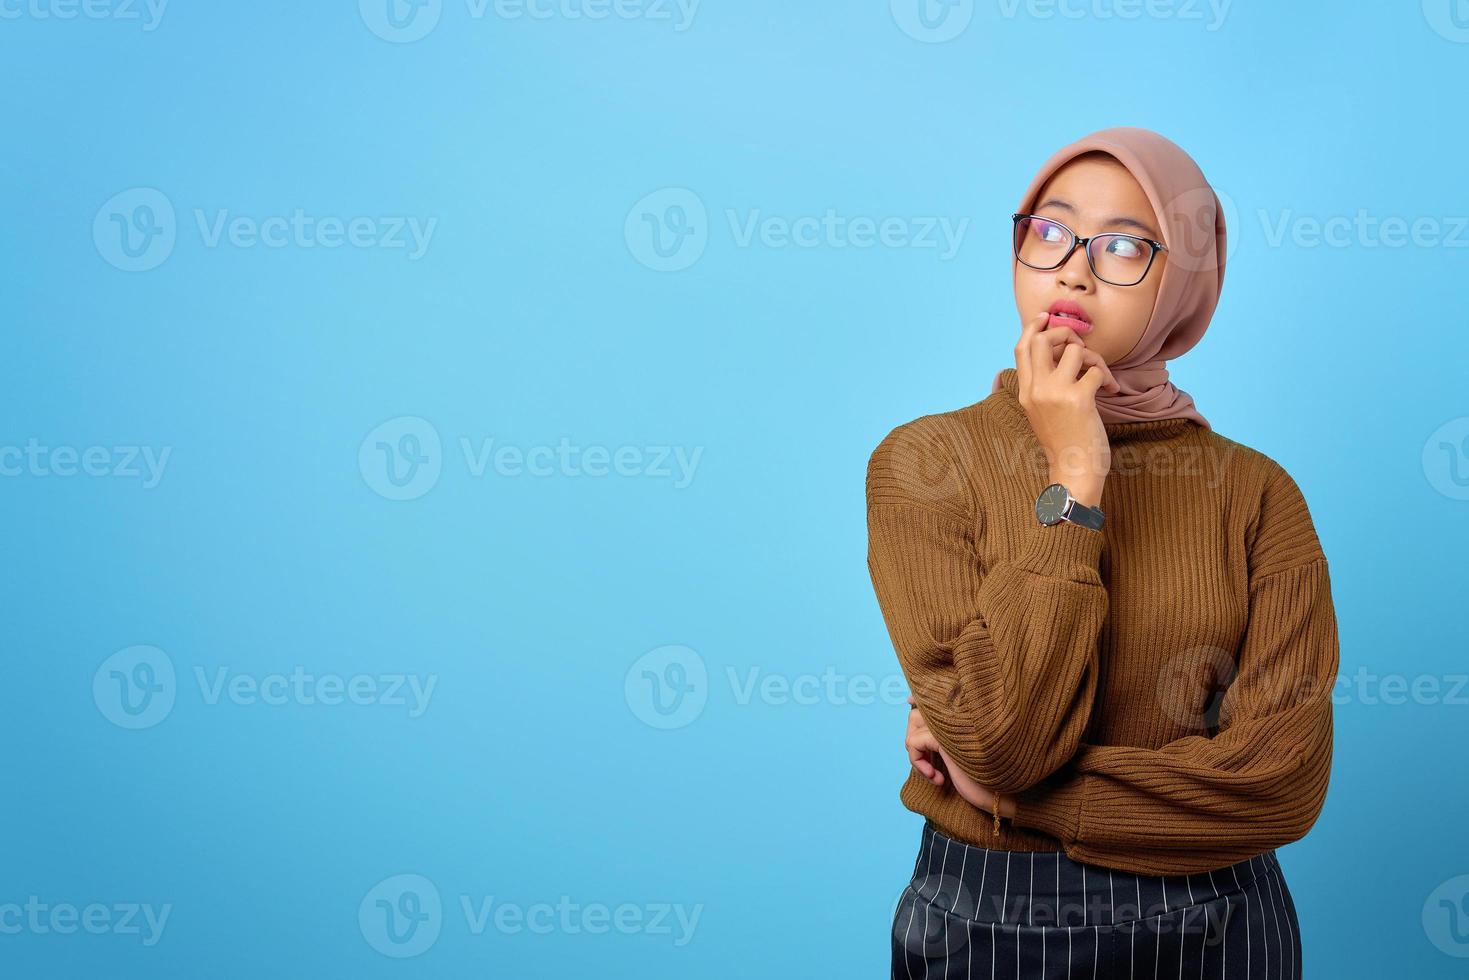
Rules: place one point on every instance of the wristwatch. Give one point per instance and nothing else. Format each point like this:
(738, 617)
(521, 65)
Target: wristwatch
(1055, 504)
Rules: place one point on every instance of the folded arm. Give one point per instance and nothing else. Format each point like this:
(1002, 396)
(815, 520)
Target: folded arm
(1002, 661)
(1260, 781)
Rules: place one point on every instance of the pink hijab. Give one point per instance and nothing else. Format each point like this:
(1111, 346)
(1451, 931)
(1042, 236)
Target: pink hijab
(1193, 230)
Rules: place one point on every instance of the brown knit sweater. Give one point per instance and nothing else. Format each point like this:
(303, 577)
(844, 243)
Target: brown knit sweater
(1155, 696)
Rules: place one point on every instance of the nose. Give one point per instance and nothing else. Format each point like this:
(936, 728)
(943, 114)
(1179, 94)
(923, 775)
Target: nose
(1076, 272)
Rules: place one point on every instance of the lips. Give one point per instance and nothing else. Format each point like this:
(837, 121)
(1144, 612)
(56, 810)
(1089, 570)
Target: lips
(1065, 313)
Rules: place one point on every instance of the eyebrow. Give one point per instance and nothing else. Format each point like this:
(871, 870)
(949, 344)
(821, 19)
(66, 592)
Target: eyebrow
(1114, 221)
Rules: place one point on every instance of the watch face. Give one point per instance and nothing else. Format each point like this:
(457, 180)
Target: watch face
(1051, 504)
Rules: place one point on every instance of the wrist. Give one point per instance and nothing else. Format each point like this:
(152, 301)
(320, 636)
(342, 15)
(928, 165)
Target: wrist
(1085, 487)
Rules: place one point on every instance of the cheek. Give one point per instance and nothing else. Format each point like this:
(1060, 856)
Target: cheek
(1028, 290)
(1124, 320)
(1124, 311)
(1143, 305)
(1138, 308)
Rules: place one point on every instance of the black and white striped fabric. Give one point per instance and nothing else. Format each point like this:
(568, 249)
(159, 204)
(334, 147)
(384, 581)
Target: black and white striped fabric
(980, 914)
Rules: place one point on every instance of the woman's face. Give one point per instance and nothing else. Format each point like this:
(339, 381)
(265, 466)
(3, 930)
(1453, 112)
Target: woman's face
(1090, 195)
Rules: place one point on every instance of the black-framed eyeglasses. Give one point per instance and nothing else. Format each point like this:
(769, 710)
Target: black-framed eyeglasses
(1121, 260)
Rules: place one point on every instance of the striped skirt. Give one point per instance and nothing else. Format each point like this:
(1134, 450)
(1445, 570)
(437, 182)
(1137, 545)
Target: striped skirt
(971, 912)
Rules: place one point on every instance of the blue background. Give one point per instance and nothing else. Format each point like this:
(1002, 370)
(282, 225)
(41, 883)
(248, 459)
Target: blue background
(543, 765)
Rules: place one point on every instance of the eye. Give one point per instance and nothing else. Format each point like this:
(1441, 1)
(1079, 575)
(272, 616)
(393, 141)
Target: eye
(1127, 248)
(1048, 231)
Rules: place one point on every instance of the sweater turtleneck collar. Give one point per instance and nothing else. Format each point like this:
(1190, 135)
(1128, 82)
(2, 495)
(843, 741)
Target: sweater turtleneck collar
(1118, 433)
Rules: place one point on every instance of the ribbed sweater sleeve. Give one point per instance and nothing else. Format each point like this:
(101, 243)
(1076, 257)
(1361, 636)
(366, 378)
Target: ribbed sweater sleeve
(1001, 661)
(1260, 780)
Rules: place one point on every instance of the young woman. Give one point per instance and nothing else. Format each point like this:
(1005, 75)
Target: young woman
(1116, 623)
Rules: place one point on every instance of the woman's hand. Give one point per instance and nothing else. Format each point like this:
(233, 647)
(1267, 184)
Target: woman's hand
(1059, 395)
(921, 743)
(922, 746)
